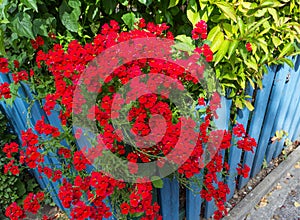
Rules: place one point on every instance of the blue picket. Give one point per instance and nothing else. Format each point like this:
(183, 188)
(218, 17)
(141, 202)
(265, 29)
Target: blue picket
(277, 89)
(282, 111)
(169, 199)
(193, 200)
(260, 106)
(221, 123)
(294, 128)
(236, 153)
(289, 117)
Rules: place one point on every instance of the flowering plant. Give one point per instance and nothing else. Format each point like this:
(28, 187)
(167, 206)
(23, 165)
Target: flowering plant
(135, 106)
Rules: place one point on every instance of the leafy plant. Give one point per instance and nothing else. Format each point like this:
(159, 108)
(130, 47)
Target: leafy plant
(13, 188)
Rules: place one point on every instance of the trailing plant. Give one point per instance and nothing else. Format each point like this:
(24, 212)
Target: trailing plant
(111, 94)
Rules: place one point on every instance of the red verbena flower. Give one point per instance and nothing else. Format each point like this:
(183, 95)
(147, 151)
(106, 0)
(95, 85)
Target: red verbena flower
(243, 171)
(15, 212)
(249, 47)
(4, 65)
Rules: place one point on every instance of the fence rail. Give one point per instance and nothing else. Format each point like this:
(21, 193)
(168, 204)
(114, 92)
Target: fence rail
(277, 107)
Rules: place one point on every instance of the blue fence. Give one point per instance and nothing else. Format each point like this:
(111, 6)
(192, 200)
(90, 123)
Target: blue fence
(277, 107)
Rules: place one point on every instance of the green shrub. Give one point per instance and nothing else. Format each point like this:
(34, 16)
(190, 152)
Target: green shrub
(12, 188)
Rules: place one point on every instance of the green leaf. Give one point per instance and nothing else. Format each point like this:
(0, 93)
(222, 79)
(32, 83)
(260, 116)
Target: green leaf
(129, 19)
(227, 9)
(157, 182)
(30, 4)
(213, 32)
(192, 12)
(228, 29)
(276, 41)
(185, 39)
(274, 14)
(251, 63)
(256, 25)
(221, 52)
(286, 49)
(173, 3)
(266, 3)
(241, 26)
(217, 41)
(288, 62)
(2, 48)
(22, 25)
(145, 2)
(40, 27)
(232, 47)
(69, 16)
(249, 105)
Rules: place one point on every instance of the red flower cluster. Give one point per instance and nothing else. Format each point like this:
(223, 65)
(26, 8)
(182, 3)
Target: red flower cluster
(247, 144)
(15, 212)
(239, 130)
(32, 202)
(30, 155)
(206, 51)
(19, 76)
(38, 42)
(4, 65)
(200, 31)
(14, 169)
(10, 148)
(249, 47)
(42, 128)
(243, 171)
(5, 90)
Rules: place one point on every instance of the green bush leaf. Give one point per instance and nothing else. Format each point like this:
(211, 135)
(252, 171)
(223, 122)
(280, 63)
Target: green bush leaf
(217, 41)
(22, 25)
(157, 182)
(249, 105)
(222, 51)
(213, 32)
(227, 9)
(173, 3)
(129, 19)
(69, 16)
(30, 4)
(232, 47)
(40, 27)
(286, 49)
(192, 12)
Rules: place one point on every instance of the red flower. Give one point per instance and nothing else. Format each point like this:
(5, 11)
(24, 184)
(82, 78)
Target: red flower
(16, 64)
(4, 65)
(5, 90)
(239, 130)
(39, 41)
(14, 212)
(31, 203)
(200, 31)
(249, 47)
(125, 208)
(243, 171)
(11, 148)
(19, 76)
(247, 144)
